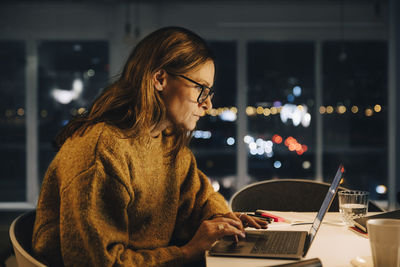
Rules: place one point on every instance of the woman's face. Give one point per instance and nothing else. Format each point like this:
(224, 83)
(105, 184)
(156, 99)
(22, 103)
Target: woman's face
(180, 96)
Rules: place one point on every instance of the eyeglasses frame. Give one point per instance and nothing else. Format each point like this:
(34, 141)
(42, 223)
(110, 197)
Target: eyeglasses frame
(202, 86)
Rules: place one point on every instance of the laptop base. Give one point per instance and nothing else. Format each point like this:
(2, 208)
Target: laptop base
(246, 247)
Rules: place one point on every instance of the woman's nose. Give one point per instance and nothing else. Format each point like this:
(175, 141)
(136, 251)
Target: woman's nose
(207, 104)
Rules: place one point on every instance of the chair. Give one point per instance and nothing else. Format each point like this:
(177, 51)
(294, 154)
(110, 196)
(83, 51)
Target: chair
(21, 238)
(286, 195)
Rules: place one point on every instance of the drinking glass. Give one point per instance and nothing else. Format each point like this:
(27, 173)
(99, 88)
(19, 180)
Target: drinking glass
(353, 204)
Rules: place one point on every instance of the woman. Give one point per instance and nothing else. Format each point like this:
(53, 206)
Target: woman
(124, 188)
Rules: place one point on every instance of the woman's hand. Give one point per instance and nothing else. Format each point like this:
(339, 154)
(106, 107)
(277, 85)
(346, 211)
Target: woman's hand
(246, 220)
(249, 221)
(209, 232)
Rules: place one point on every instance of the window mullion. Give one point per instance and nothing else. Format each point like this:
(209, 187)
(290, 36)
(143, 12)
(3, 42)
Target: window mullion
(32, 181)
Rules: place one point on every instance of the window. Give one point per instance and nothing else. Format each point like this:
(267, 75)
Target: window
(355, 113)
(12, 122)
(71, 74)
(280, 110)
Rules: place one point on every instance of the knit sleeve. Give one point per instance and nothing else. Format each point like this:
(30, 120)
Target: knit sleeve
(94, 225)
(198, 201)
(214, 203)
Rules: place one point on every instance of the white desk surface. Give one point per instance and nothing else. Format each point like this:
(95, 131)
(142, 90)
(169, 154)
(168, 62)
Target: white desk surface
(335, 245)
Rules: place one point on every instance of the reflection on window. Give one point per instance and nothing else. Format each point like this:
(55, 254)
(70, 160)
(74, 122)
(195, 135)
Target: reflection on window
(214, 140)
(12, 121)
(71, 74)
(280, 107)
(355, 114)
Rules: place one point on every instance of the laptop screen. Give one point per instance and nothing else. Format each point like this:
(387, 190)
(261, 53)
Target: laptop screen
(326, 204)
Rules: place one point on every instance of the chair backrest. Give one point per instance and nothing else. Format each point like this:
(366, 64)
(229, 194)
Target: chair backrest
(21, 238)
(285, 195)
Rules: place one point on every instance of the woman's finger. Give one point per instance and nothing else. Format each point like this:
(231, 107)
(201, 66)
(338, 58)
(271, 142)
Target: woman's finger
(223, 229)
(233, 215)
(249, 221)
(236, 223)
(262, 223)
(253, 222)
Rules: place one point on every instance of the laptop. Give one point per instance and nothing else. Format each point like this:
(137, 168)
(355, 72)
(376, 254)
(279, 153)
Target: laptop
(278, 244)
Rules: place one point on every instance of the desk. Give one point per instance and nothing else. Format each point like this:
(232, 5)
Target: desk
(335, 245)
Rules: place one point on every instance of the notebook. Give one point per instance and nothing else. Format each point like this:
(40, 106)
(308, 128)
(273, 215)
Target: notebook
(278, 244)
(361, 223)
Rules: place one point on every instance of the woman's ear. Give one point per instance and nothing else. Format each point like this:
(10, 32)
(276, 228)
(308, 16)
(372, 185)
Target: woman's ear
(159, 80)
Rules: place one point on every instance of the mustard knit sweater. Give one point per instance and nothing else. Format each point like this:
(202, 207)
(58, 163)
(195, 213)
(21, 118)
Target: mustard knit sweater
(111, 200)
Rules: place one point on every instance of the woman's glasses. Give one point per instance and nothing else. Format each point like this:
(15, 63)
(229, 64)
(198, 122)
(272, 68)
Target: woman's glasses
(205, 91)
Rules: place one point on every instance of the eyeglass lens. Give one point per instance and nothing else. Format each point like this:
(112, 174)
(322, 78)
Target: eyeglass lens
(205, 92)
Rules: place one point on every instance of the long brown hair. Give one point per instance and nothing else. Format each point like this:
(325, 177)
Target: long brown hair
(131, 102)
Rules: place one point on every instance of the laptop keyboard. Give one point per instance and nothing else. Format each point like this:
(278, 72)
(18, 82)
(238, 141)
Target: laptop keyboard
(277, 243)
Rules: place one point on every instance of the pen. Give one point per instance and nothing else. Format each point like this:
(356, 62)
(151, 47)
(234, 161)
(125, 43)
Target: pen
(269, 215)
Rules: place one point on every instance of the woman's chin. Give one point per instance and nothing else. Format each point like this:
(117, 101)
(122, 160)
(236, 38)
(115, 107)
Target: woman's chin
(189, 127)
(186, 126)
